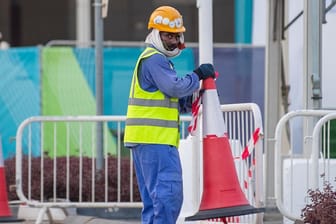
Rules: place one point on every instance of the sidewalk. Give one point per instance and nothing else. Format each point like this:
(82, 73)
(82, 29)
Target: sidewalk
(82, 220)
(271, 216)
(94, 220)
(29, 216)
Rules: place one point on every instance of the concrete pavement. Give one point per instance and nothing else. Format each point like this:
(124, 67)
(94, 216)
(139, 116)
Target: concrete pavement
(270, 217)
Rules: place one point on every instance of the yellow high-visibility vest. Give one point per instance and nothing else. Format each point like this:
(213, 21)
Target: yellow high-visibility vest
(152, 117)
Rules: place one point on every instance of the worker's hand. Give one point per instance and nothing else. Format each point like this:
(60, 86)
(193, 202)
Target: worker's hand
(205, 71)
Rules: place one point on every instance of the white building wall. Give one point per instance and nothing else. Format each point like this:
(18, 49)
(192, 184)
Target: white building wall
(328, 60)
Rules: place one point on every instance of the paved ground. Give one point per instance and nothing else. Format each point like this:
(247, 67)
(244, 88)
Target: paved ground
(270, 217)
(93, 220)
(75, 220)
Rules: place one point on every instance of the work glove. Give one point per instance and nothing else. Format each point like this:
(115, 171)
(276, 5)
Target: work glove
(205, 71)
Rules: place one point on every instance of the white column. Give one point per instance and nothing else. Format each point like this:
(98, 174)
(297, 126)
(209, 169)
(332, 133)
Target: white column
(312, 60)
(194, 169)
(83, 22)
(272, 93)
(205, 31)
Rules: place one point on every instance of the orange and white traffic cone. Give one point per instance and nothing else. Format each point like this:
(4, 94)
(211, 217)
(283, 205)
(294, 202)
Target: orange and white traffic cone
(5, 212)
(222, 196)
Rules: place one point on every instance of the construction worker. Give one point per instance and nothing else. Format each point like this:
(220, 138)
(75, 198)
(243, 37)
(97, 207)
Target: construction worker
(156, 98)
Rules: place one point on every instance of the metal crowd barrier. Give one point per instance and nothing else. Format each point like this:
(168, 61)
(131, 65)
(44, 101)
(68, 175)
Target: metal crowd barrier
(245, 130)
(297, 171)
(72, 178)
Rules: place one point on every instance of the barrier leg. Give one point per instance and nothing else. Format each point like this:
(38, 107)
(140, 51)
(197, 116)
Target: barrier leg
(40, 216)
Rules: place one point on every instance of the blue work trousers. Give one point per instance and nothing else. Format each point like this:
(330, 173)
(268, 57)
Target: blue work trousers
(159, 174)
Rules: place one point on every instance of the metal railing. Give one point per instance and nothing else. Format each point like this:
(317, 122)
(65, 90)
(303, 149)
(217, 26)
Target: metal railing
(73, 171)
(298, 171)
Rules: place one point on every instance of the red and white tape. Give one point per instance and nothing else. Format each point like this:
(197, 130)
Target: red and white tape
(251, 144)
(247, 152)
(195, 107)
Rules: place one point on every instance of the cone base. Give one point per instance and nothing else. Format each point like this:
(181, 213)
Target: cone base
(225, 212)
(10, 219)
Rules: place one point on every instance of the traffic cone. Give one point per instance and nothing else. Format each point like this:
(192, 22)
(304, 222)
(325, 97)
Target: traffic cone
(222, 196)
(5, 212)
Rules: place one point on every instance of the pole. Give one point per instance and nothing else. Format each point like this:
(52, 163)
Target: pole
(272, 93)
(99, 80)
(83, 23)
(205, 31)
(205, 35)
(313, 45)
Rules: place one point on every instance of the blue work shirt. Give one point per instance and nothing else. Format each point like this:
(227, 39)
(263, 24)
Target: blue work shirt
(157, 73)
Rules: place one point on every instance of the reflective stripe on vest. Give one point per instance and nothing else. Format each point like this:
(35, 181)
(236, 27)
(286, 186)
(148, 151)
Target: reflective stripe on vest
(151, 122)
(152, 117)
(153, 103)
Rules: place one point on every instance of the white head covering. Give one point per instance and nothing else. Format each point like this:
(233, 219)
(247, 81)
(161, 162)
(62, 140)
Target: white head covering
(154, 39)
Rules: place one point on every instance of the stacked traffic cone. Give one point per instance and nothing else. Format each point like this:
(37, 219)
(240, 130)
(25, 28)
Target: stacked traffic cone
(222, 196)
(5, 212)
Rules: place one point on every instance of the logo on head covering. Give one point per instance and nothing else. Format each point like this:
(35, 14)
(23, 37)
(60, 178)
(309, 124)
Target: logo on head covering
(166, 21)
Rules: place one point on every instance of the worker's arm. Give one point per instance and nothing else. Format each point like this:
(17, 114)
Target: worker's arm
(156, 73)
